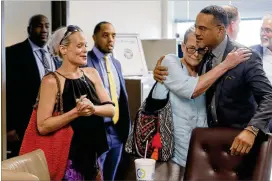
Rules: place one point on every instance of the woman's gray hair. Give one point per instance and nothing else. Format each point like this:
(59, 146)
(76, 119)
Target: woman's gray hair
(54, 41)
(187, 33)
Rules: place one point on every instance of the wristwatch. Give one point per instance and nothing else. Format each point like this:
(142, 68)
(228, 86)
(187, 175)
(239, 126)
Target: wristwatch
(256, 130)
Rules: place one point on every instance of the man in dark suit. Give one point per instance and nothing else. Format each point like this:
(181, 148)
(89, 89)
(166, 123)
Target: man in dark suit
(265, 48)
(27, 62)
(231, 100)
(109, 69)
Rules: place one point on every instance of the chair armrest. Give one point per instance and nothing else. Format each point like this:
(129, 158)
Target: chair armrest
(13, 175)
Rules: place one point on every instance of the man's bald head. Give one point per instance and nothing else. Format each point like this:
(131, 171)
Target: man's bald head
(38, 29)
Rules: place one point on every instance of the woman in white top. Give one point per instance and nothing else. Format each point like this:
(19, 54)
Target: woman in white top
(187, 98)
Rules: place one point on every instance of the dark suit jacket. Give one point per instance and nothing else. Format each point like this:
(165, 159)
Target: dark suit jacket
(258, 48)
(23, 81)
(123, 125)
(237, 90)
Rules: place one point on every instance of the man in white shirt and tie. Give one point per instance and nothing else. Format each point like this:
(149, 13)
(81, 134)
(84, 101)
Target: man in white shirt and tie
(114, 161)
(26, 63)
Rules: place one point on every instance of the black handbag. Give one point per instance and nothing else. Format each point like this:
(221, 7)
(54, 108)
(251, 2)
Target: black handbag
(153, 123)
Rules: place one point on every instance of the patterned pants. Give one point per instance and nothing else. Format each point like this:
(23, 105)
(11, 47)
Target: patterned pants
(72, 175)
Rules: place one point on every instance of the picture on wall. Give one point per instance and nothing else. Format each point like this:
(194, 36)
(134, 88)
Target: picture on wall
(128, 50)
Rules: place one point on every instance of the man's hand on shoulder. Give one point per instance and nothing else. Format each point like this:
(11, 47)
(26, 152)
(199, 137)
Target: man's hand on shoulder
(243, 143)
(160, 72)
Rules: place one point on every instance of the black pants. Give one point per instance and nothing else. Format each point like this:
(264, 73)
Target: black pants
(124, 164)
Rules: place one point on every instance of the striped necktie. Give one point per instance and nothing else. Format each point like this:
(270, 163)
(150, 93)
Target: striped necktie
(44, 61)
(112, 90)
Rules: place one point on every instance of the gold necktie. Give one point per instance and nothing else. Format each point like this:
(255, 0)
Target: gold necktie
(112, 90)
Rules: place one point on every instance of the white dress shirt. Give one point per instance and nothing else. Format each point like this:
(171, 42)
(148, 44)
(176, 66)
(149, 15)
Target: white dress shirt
(267, 63)
(38, 57)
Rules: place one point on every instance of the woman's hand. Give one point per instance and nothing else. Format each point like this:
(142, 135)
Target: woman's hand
(235, 57)
(84, 106)
(160, 72)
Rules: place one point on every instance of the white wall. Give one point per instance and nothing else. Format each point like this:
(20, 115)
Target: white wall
(143, 17)
(17, 14)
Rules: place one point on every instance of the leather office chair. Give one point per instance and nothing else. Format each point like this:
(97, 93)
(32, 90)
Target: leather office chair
(9, 175)
(30, 166)
(209, 157)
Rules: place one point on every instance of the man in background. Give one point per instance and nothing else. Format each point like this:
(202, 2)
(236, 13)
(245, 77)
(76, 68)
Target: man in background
(109, 69)
(233, 21)
(27, 62)
(265, 48)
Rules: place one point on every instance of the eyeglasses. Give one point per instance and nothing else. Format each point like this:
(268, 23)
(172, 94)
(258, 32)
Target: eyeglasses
(266, 30)
(192, 50)
(70, 29)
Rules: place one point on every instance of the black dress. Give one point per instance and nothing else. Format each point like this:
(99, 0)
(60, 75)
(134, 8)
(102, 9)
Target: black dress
(89, 140)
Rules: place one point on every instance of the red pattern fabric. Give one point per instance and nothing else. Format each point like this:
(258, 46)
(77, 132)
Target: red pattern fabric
(56, 146)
